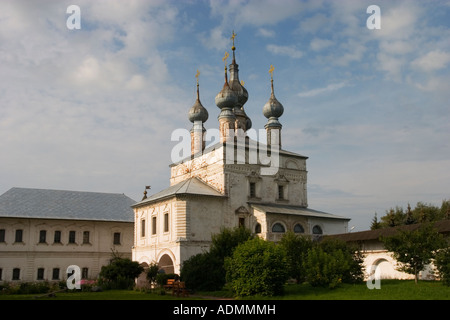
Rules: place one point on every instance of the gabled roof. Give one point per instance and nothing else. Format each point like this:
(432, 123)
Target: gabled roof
(294, 210)
(68, 205)
(191, 186)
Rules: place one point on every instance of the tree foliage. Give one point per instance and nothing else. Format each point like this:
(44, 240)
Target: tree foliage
(443, 265)
(120, 273)
(206, 271)
(332, 262)
(257, 267)
(422, 213)
(414, 249)
(295, 247)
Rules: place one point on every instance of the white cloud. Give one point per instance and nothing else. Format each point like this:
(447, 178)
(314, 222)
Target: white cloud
(266, 33)
(320, 44)
(289, 51)
(329, 88)
(433, 60)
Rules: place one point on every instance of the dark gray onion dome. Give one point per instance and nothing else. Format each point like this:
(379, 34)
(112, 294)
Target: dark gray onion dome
(197, 111)
(273, 108)
(226, 98)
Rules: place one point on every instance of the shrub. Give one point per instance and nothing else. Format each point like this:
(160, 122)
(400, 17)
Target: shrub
(119, 274)
(443, 265)
(257, 267)
(204, 272)
(295, 247)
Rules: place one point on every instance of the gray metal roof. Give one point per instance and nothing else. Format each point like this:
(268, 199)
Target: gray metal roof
(61, 204)
(294, 210)
(193, 186)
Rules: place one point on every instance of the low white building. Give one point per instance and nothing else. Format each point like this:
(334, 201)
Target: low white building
(235, 182)
(377, 257)
(42, 232)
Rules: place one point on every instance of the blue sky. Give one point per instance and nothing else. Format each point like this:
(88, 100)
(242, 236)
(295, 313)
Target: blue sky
(93, 109)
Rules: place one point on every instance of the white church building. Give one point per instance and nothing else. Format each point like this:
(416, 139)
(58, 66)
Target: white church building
(232, 183)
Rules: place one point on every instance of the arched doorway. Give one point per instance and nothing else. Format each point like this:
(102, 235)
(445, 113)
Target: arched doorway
(165, 263)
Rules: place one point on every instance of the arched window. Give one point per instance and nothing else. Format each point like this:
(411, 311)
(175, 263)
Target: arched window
(278, 227)
(317, 230)
(258, 228)
(298, 228)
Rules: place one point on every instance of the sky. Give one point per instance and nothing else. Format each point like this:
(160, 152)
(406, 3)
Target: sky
(93, 109)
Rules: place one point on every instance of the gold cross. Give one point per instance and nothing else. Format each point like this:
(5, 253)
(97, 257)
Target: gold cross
(225, 57)
(271, 70)
(197, 75)
(233, 35)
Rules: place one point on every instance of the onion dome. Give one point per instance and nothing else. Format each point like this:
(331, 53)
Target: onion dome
(226, 98)
(197, 111)
(273, 109)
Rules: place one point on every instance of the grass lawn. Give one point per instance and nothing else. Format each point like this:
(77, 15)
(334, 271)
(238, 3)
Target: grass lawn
(390, 290)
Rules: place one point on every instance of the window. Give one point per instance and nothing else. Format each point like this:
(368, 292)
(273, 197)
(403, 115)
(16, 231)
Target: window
(55, 274)
(154, 225)
(2, 236)
(278, 227)
(72, 236)
(166, 222)
(19, 236)
(143, 228)
(258, 228)
(40, 274)
(252, 189)
(317, 230)
(84, 273)
(280, 192)
(42, 236)
(116, 239)
(57, 237)
(298, 228)
(16, 274)
(85, 237)
(241, 222)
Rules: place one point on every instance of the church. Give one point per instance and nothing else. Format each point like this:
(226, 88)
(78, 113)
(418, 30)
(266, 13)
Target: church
(235, 182)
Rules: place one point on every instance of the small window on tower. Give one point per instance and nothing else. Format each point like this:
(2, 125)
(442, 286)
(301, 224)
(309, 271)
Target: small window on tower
(280, 192)
(252, 189)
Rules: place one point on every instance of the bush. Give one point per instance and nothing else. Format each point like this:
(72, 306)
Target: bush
(257, 267)
(204, 272)
(332, 262)
(443, 265)
(120, 273)
(295, 247)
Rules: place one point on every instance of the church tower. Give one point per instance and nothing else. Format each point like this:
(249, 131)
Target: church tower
(272, 110)
(198, 116)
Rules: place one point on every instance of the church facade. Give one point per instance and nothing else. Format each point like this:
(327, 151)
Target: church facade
(236, 182)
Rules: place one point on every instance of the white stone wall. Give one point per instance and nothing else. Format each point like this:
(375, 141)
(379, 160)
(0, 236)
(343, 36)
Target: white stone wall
(30, 254)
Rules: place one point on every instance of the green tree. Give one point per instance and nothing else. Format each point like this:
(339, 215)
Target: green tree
(375, 224)
(206, 271)
(152, 272)
(414, 249)
(442, 263)
(332, 262)
(295, 247)
(257, 267)
(120, 273)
